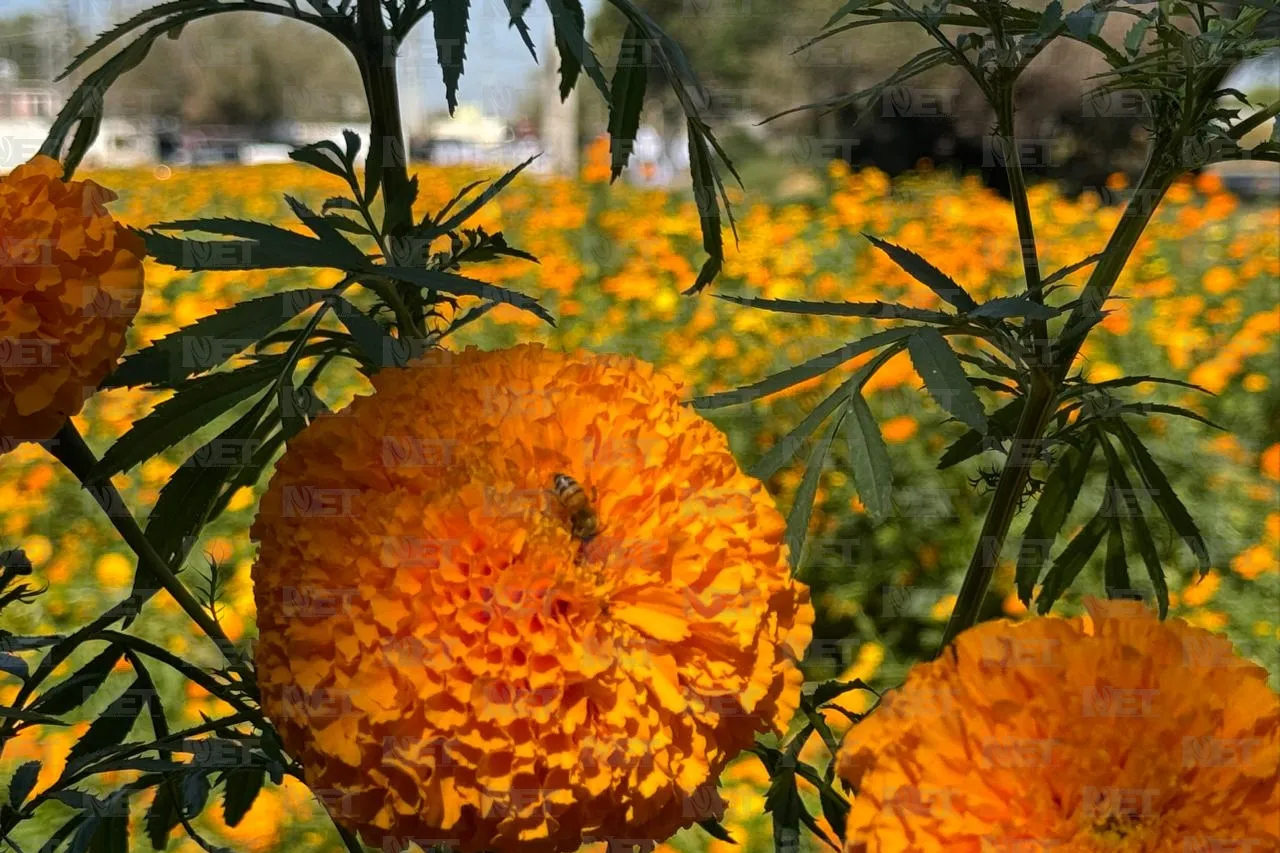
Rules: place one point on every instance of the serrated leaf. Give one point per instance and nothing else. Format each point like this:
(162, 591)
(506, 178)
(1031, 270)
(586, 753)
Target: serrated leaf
(1060, 492)
(705, 196)
(261, 246)
(462, 286)
(944, 377)
(801, 372)
(111, 727)
(197, 403)
(1072, 559)
(210, 341)
(325, 156)
(716, 830)
(787, 446)
(926, 273)
(802, 504)
(516, 9)
(575, 53)
(373, 340)
(22, 783)
(487, 195)
(828, 690)
(161, 817)
(1116, 568)
(449, 18)
(328, 233)
(871, 310)
(243, 785)
(1059, 275)
(1133, 39)
(72, 692)
(626, 98)
(184, 503)
(1014, 306)
(1162, 493)
(869, 458)
(1003, 422)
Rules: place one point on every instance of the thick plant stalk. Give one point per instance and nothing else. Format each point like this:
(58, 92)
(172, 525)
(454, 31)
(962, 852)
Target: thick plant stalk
(1044, 394)
(377, 62)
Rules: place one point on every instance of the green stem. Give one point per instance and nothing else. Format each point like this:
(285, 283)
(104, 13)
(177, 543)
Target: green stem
(69, 448)
(1022, 215)
(377, 62)
(1044, 394)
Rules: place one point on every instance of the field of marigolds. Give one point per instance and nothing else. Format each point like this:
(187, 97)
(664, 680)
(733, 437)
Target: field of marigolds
(1203, 288)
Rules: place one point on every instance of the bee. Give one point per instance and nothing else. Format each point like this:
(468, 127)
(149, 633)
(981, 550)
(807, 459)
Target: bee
(584, 524)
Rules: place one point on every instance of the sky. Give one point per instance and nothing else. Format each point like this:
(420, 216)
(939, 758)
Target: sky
(497, 69)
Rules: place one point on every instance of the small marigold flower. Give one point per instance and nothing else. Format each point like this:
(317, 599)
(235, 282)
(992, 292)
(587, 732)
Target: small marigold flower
(450, 661)
(1112, 732)
(70, 285)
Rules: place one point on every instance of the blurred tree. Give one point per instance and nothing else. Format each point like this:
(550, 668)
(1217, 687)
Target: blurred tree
(243, 69)
(25, 46)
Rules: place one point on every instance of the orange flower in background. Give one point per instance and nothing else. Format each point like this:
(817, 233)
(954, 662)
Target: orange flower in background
(452, 662)
(70, 285)
(1112, 732)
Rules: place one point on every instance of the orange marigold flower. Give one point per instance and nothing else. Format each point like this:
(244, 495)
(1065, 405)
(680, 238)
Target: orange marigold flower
(70, 285)
(452, 662)
(1111, 732)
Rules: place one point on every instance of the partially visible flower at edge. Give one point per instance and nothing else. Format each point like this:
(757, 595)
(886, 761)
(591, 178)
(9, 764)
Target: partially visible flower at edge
(70, 285)
(1109, 732)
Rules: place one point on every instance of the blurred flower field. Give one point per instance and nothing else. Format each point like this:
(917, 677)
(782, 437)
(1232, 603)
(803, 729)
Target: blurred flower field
(1200, 302)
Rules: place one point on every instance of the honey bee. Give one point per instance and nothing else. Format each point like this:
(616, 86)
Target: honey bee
(584, 524)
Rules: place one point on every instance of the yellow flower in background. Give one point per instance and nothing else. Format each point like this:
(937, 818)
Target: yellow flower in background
(440, 649)
(1110, 732)
(70, 285)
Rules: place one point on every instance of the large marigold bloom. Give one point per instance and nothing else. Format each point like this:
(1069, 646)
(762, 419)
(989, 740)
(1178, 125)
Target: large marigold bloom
(449, 662)
(70, 285)
(1111, 733)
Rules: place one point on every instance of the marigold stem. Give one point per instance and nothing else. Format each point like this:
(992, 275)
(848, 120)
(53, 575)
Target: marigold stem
(69, 448)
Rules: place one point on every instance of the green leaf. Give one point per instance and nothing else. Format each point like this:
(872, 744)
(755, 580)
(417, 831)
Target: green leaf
(1060, 492)
(211, 341)
(197, 403)
(262, 246)
(802, 504)
(184, 504)
(1162, 493)
(373, 340)
(1133, 39)
(1058, 275)
(702, 172)
(24, 716)
(828, 690)
(1072, 559)
(461, 286)
(848, 8)
(1002, 423)
(1126, 501)
(571, 44)
(869, 458)
(488, 194)
(782, 452)
(243, 786)
(1116, 568)
(72, 692)
(944, 377)
(22, 782)
(926, 273)
(1014, 306)
(450, 24)
(626, 98)
(782, 800)
(1125, 381)
(801, 372)
(161, 817)
(872, 310)
(14, 666)
(328, 233)
(110, 728)
(112, 833)
(325, 156)
(516, 9)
